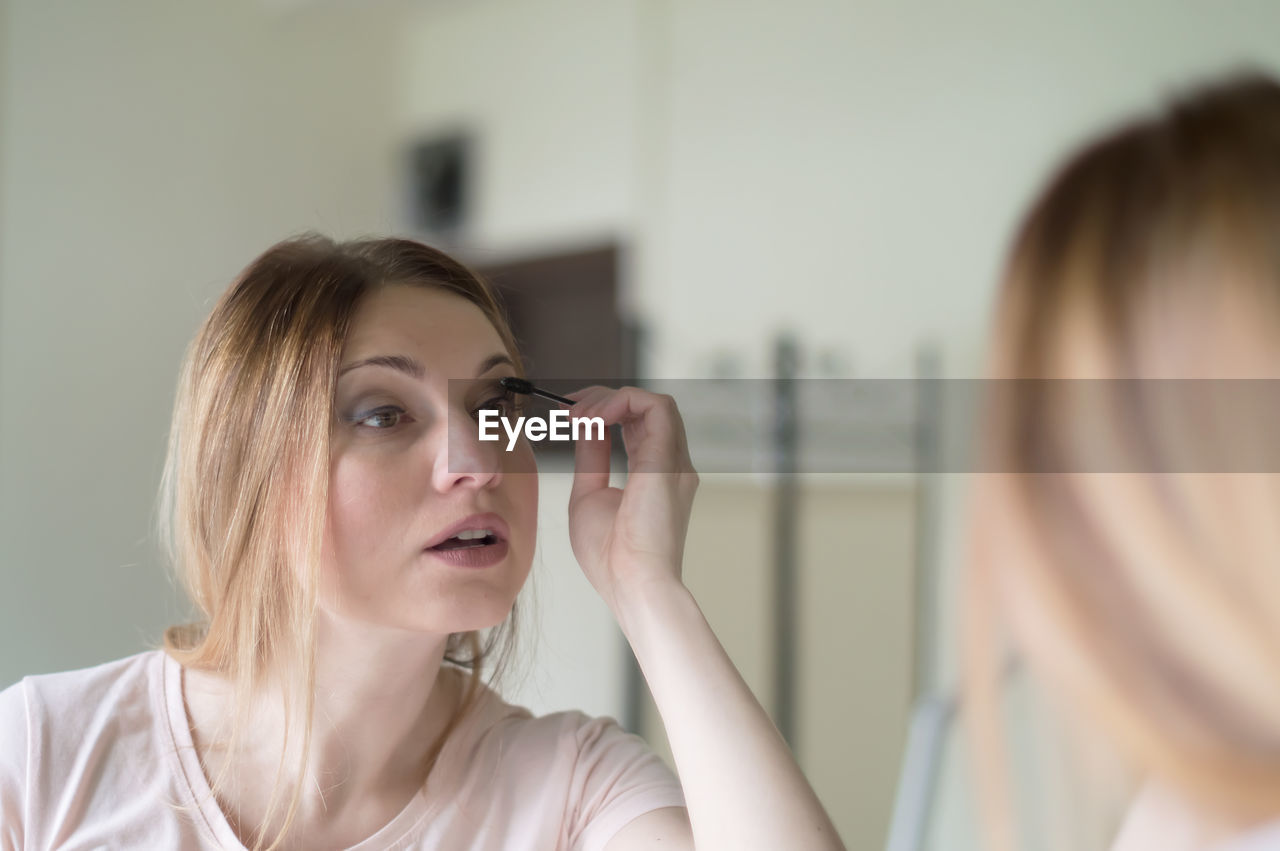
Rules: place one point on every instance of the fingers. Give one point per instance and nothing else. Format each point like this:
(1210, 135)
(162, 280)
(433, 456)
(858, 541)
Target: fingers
(585, 393)
(590, 466)
(590, 457)
(652, 428)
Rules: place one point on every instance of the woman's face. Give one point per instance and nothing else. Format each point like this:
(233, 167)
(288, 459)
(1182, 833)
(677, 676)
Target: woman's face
(406, 465)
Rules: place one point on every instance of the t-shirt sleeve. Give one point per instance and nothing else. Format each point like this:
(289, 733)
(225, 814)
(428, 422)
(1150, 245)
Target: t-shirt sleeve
(1159, 819)
(13, 765)
(616, 778)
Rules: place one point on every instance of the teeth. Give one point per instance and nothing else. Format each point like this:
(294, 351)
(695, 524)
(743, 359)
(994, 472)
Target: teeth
(473, 534)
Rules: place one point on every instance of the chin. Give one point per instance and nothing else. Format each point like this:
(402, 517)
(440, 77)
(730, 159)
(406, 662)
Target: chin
(461, 617)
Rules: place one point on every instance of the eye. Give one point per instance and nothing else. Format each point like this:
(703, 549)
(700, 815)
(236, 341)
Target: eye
(380, 418)
(508, 403)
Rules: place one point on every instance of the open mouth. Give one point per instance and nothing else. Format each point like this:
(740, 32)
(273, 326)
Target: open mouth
(469, 540)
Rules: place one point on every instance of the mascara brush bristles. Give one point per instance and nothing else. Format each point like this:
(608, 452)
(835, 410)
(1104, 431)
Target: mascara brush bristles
(520, 385)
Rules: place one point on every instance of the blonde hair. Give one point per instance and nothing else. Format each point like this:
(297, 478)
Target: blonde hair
(1129, 555)
(245, 486)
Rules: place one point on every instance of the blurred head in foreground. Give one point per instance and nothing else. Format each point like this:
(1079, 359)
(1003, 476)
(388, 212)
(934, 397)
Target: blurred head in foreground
(1125, 537)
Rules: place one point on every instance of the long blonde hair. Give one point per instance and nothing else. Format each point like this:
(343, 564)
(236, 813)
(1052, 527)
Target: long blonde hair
(1129, 551)
(245, 486)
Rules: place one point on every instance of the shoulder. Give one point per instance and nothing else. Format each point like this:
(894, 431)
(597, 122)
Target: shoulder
(101, 678)
(108, 687)
(15, 723)
(64, 732)
(15, 719)
(106, 711)
(589, 770)
(14, 761)
(568, 743)
(567, 736)
(13, 706)
(1160, 818)
(1264, 837)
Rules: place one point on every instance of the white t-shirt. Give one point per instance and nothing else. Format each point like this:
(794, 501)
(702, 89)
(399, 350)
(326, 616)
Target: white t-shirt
(1159, 820)
(95, 758)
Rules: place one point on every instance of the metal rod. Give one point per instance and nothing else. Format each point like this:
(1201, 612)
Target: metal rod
(933, 723)
(785, 465)
(635, 690)
(921, 768)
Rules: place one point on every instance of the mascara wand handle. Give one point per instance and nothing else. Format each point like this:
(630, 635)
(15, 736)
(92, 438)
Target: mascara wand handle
(520, 385)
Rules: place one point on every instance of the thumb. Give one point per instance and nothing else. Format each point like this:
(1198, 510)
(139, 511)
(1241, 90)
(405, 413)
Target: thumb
(590, 464)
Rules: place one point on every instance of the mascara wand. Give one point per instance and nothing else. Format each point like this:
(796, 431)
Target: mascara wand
(519, 385)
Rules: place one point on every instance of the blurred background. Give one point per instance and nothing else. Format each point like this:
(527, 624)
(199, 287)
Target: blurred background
(716, 189)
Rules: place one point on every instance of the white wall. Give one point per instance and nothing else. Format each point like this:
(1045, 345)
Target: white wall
(850, 170)
(853, 169)
(548, 89)
(149, 150)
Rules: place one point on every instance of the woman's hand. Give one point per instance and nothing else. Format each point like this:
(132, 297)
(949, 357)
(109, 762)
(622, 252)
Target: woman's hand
(627, 538)
(742, 785)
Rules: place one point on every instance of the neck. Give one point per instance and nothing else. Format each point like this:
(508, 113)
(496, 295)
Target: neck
(377, 714)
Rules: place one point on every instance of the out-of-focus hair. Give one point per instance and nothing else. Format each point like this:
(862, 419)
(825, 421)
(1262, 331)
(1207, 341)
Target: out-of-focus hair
(1143, 596)
(245, 487)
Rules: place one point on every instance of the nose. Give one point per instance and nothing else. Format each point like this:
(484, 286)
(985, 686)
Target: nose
(465, 460)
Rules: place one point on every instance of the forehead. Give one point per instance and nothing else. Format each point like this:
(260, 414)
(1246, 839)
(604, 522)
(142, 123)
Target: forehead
(430, 322)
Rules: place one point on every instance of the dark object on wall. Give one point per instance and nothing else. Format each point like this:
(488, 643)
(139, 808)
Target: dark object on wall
(564, 312)
(565, 316)
(439, 177)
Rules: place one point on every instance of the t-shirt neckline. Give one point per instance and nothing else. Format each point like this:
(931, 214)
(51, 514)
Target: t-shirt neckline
(186, 763)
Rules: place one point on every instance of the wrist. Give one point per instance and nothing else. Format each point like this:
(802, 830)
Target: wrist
(652, 600)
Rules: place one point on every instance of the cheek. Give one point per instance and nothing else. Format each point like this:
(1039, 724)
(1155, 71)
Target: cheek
(522, 478)
(520, 459)
(361, 504)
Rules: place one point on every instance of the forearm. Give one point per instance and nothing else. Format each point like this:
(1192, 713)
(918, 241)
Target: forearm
(743, 787)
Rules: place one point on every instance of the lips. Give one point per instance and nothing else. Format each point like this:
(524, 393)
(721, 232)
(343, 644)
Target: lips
(492, 522)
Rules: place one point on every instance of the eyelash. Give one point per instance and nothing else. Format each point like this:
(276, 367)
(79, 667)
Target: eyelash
(359, 419)
(509, 404)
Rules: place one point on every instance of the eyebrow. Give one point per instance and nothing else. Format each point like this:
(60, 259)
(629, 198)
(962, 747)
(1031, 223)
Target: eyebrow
(414, 369)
